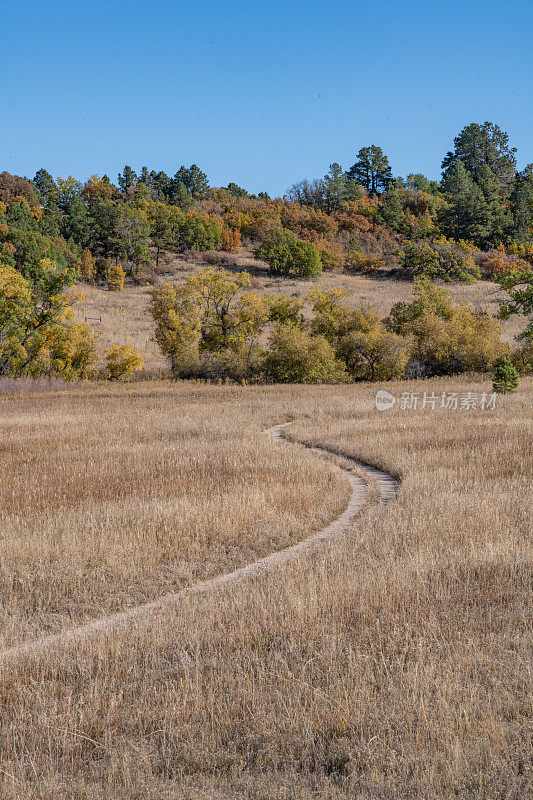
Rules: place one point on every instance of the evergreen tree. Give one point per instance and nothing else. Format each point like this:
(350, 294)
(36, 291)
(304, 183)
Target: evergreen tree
(46, 188)
(505, 377)
(483, 144)
(103, 221)
(334, 188)
(466, 216)
(75, 222)
(391, 211)
(522, 204)
(499, 219)
(162, 185)
(519, 287)
(181, 195)
(372, 170)
(194, 180)
(146, 180)
(127, 178)
(236, 190)
(420, 183)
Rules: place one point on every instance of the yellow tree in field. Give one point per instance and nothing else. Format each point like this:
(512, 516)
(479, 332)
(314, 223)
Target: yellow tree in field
(115, 278)
(86, 266)
(38, 334)
(213, 313)
(121, 362)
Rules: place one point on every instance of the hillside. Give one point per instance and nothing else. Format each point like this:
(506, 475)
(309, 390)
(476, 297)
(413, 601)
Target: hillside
(124, 317)
(360, 229)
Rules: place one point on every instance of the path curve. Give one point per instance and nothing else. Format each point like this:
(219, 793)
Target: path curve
(388, 487)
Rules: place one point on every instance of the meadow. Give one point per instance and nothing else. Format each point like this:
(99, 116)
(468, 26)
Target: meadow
(392, 663)
(113, 497)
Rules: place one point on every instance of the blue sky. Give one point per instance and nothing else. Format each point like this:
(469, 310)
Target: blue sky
(263, 94)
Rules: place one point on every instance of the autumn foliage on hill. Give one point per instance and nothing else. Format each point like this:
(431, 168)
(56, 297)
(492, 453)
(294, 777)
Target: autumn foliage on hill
(476, 222)
(215, 326)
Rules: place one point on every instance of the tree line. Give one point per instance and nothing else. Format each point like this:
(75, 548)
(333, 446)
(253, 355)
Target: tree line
(477, 221)
(214, 327)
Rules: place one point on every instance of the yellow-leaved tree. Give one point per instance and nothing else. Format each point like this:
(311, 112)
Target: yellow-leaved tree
(210, 325)
(359, 338)
(447, 337)
(38, 334)
(115, 278)
(121, 362)
(86, 266)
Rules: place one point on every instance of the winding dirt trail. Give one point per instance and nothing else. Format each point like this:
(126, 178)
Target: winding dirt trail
(388, 487)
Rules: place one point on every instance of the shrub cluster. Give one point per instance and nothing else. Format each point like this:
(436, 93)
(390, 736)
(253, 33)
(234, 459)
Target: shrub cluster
(214, 327)
(447, 338)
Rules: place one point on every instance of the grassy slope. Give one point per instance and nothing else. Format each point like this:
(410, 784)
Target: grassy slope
(125, 317)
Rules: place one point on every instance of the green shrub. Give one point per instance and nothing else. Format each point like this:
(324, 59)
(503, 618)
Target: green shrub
(444, 259)
(419, 258)
(295, 356)
(505, 377)
(192, 231)
(289, 256)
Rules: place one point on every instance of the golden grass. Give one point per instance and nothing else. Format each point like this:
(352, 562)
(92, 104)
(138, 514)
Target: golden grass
(393, 665)
(114, 497)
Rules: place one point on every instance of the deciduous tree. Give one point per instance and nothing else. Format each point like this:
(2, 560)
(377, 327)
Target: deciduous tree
(38, 334)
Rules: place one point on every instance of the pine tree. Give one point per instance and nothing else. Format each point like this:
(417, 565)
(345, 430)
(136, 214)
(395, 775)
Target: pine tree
(372, 170)
(46, 188)
(391, 210)
(75, 221)
(505, 377)
(482, 144)
(334, 188)
(146, 180)
(466, 216)
(194, 180)
(127, 178)
(181, 196)
(161, 185)
(522, 203)
(499, 220)
(236, 190)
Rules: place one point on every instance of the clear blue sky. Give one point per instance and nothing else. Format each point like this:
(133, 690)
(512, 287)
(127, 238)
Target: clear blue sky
(260, 93)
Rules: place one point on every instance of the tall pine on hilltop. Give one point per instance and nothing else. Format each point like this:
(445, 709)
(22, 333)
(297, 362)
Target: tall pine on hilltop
(372, 170)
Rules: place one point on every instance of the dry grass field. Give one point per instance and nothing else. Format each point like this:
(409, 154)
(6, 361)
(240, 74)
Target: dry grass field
(124, 317)
(393, 664)
(112, 497)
